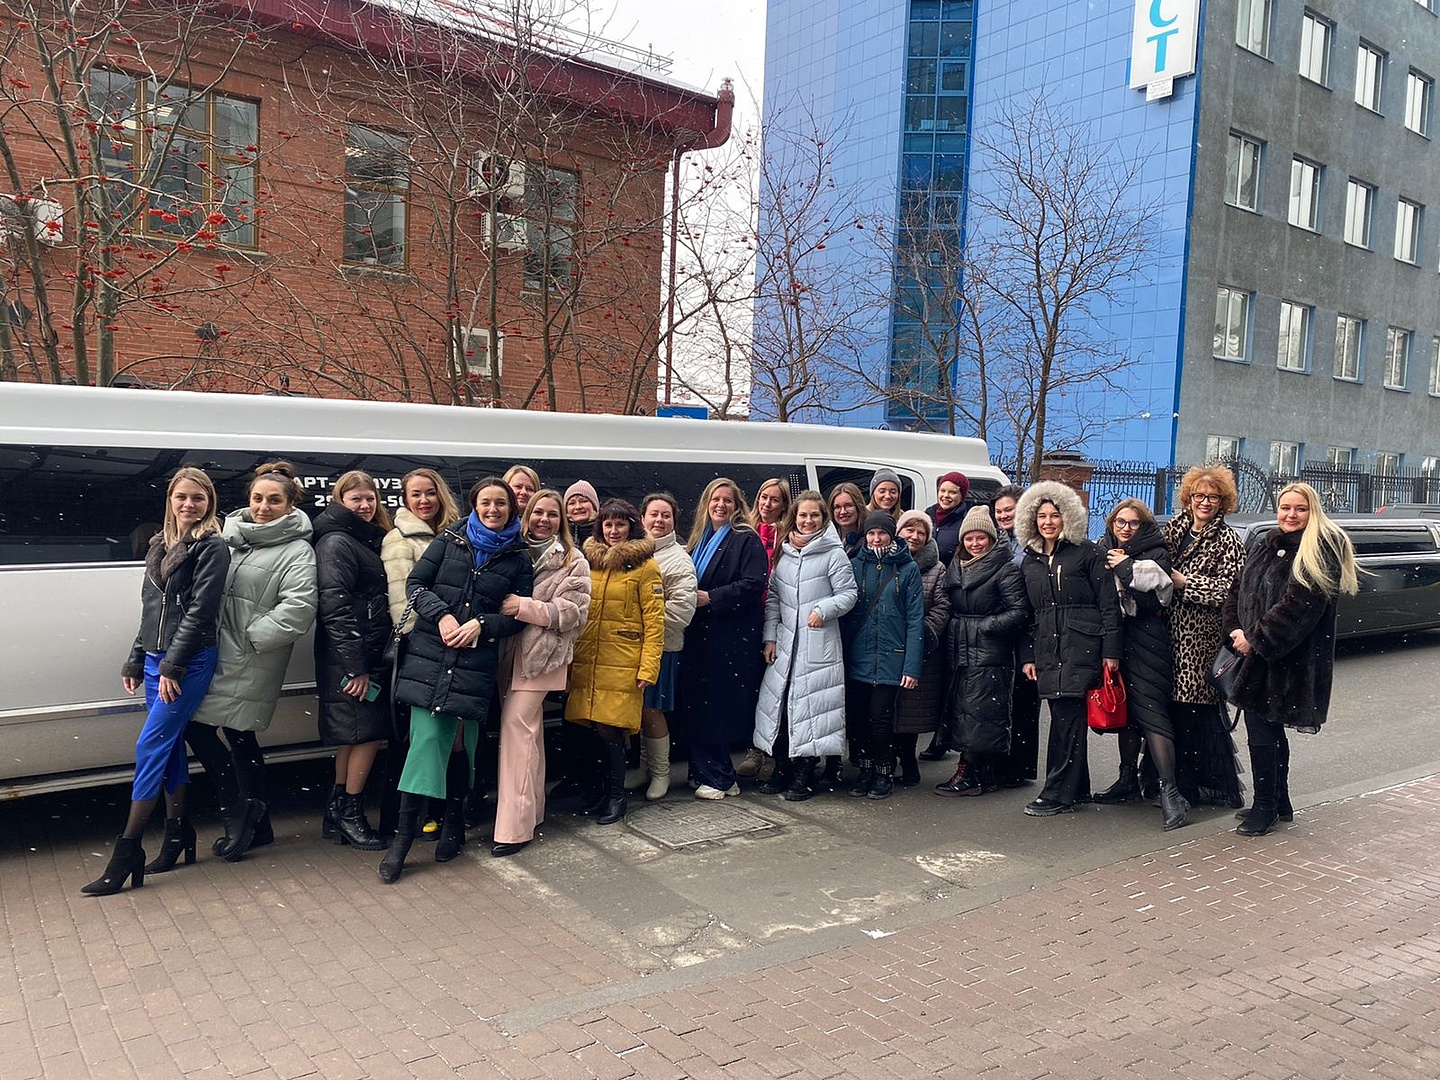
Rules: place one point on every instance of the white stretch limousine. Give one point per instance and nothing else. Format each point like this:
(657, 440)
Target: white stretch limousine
(82, 487)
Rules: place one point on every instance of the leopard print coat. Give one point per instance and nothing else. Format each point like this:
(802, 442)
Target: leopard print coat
(1209, 564)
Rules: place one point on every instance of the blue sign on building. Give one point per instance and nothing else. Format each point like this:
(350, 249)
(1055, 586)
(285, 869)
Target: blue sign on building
(688, 412)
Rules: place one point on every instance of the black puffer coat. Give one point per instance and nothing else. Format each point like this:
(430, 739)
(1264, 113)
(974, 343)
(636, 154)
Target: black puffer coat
(1287, 677)
(182, 616)
(989, 615)
(916, 711)
(1148, 666)
(459, 682)
(1077, 614)
(351, 627)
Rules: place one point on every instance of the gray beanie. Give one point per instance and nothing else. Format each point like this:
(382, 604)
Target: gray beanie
(881, 476)
(978, 520)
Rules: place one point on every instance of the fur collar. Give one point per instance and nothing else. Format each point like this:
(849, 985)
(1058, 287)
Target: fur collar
(1072, 513)
(162, 562)
(626, 555)
(927, 556)
(407, 523)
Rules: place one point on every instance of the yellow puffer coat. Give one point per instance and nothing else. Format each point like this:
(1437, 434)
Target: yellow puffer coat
(623, 637)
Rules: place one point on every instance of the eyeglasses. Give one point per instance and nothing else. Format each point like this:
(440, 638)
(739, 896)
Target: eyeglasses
(1204, 496)
(1126, 523)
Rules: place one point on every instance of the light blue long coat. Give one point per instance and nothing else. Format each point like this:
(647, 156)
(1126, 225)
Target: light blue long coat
(808, 675)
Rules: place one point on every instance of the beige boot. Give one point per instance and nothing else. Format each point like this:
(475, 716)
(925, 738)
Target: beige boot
(658, 753)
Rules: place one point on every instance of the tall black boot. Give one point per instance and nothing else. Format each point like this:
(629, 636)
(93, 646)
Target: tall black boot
(406, 827)
(452, 828)
(802, 779)
(1173, 806)
(1262, 816)
(127, 860)
(615, 802)
(239, 816)
(909, 766)
(1283, 809)
(179, 837)
(352, 826)
(330, 821)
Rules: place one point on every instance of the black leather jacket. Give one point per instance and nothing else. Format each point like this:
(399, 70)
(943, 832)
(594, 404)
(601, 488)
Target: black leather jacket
(182, 617)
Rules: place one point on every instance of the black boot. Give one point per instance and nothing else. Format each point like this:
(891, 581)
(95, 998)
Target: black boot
(126, 860)
(802, 779)
(831, 776)
(452, 826)
(352, 827)
(939, 748)
(779, 779)
(966, 781)
(861, 787)
(330, 822)
(909, 766)
(264, 832)
(1283, 809)
(406, 828)
(240, 821)
(615, 803)
(1173, 806)
(884, 782)
(179, 837)
(1126, 789)
(1262, 816)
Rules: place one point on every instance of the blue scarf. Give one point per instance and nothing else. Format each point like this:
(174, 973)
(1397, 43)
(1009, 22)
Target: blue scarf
(485, 541)
(709, 544)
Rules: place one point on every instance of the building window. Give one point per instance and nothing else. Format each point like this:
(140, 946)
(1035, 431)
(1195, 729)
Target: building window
(475, 353)
(1430, 466)
(1315, 48)
(189, 153)
(1397, 357)
(1369, 76)
(1407, 231)
(1305, 194)
(1349, 336)
(1222, 447)
(377, 182)
(1339, 457)
(1419, 94)
(1293, 351)
(1359, 207)
(1387, 462)
(1242, 171)
(1232, 324)
(1285, 458)
(1252, 26)
(552, 211)
(1435, 366)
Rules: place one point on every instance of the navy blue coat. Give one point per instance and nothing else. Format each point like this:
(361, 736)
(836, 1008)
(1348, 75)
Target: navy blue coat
(721, 664)
(885, 630)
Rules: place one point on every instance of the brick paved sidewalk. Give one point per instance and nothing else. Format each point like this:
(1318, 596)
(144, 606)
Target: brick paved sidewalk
(1311, 953)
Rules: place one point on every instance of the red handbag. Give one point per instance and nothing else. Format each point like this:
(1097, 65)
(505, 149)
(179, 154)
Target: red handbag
(1105, 705)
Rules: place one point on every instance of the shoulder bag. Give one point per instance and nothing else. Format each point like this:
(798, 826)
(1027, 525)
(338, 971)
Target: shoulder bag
(1225, 672)
(393, 657)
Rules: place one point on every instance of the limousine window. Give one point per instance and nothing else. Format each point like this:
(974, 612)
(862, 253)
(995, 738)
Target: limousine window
(1387, 540)
(78, 504)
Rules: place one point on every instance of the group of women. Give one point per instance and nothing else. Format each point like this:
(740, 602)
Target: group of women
(800, 627)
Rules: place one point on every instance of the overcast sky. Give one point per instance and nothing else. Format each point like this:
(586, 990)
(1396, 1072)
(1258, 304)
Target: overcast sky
(708, 41)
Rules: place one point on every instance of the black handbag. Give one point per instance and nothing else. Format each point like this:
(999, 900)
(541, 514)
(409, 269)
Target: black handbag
(1225, 672)
(393, 657)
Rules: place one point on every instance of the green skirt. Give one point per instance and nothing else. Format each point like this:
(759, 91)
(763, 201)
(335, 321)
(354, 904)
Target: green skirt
(432, 737)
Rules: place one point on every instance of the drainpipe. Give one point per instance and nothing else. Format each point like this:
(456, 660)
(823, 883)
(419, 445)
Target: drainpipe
(716, 136)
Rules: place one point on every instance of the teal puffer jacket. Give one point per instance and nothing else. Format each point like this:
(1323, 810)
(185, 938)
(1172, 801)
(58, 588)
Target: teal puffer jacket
(885, 630)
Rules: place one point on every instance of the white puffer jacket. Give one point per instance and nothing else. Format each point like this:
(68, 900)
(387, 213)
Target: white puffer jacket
(677, 571)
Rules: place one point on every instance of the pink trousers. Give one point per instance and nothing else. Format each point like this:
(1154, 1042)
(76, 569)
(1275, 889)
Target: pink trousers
(520, 802)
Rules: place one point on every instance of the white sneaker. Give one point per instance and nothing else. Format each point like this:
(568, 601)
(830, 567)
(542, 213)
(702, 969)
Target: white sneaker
(754, 759)
(705, 791)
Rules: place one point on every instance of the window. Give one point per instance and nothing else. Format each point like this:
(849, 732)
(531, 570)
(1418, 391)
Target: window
(377, 181)
(1369, 76)
(1407, 231)
(1339, 457)
(1349, 336)
(1252, 26)
(1242, 171)
(1293, 350)
(1232, 324)
(1419, 93)
(190, 153)
(1397, 357)
(1315, 48)
(1430, 466)
(1285, 458)
(1305, 194)
(1387, 462)
(552, 211)
(1435, 366)
(1222, 447)
(1359, 206)
(475, 350)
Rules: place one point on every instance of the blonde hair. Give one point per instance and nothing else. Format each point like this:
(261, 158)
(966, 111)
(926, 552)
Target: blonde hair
(1325, 559)
(739, 520)
(531, 475)
(449, 508)
(1216, 476)
(359, 479)
(1143, 511)
(210, 523)
(567, 542)
(785, 500)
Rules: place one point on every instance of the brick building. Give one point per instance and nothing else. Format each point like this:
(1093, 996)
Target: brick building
(343, 200)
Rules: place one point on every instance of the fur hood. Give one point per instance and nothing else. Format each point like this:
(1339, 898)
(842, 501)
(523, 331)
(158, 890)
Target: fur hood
(626, 555)
(1072, 513)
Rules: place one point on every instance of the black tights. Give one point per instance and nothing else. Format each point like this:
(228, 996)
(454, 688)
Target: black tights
(1160, 747)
